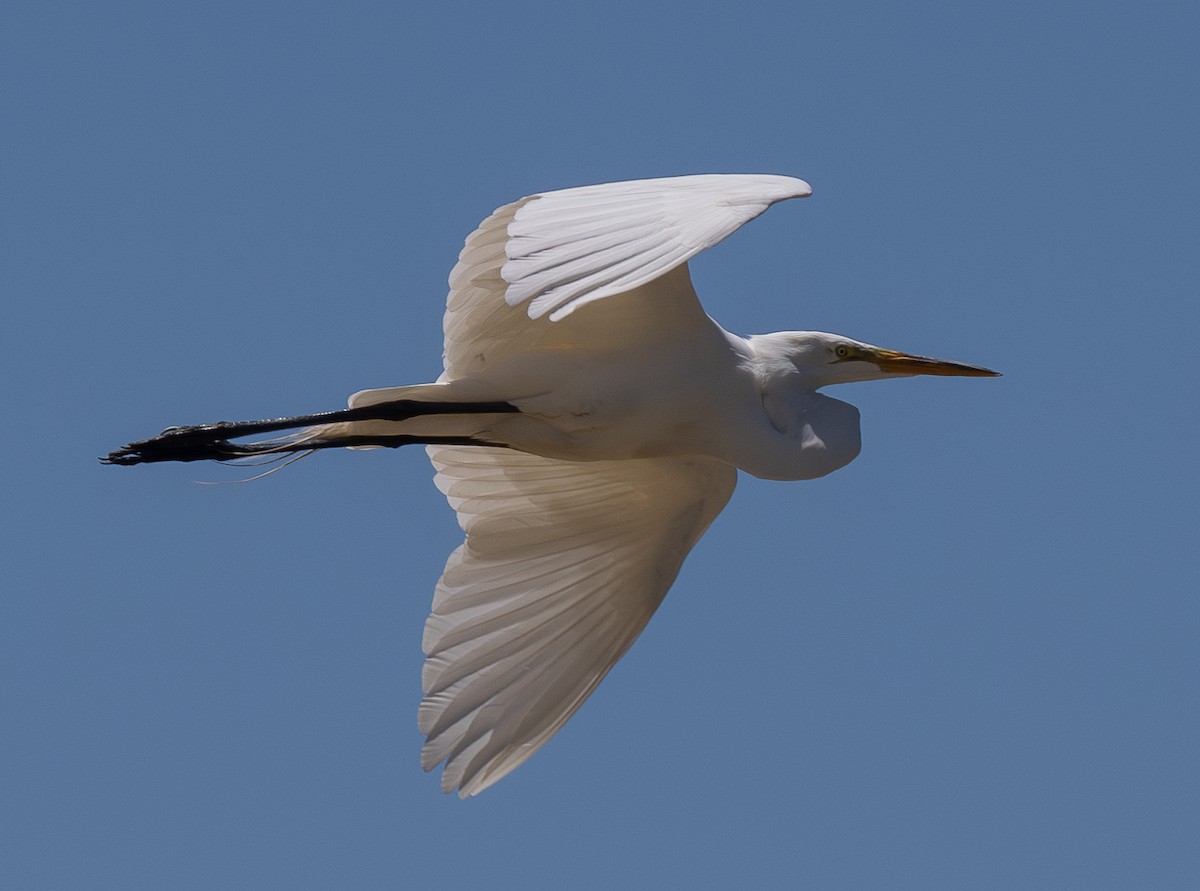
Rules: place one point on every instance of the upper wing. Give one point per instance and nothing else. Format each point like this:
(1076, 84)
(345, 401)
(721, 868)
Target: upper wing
(539, 259)
(562, 567)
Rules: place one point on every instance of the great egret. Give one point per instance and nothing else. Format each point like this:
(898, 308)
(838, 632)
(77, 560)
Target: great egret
(587, 428)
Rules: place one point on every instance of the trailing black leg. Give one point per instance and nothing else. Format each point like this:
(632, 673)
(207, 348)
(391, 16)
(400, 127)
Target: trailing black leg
(203, 442)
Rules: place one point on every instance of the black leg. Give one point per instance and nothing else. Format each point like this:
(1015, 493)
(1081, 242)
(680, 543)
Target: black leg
(202, 442)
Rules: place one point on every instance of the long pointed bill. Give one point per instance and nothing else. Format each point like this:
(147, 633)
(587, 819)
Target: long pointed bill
(894, 362)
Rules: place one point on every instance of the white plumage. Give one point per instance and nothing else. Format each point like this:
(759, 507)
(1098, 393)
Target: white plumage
(587, 428)
(563, 565)
(566, 249)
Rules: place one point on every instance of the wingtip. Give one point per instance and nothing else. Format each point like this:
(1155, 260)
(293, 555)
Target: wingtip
(803, 189)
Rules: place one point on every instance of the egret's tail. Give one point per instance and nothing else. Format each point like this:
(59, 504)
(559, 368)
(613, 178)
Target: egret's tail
(376, 418)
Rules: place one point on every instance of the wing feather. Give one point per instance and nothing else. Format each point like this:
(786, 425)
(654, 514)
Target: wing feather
(538, 260)
(684, 215)
(563, 565)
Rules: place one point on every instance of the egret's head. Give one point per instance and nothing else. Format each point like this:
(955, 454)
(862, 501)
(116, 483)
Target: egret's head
(834, 359)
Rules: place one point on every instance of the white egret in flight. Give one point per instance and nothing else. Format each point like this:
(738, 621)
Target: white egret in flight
(587, 428)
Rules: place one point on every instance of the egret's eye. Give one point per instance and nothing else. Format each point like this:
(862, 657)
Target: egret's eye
(842, 351)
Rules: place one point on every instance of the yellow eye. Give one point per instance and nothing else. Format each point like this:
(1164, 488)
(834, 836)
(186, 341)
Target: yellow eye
(842, 351)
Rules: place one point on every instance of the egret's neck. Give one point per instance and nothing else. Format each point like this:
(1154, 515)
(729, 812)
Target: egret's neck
(804, 434)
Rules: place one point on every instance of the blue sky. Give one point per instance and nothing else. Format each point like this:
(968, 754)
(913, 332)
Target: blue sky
(968, 660)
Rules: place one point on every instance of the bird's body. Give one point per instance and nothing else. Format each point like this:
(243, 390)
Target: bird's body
(771, 423)
(587, 428)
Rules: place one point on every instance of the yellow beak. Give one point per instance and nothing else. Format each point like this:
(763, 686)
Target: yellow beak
(894, 362)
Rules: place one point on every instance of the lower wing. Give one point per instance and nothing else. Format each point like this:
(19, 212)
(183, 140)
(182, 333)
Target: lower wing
(563, 565)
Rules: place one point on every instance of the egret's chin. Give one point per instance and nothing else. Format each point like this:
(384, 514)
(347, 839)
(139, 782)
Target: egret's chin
(894, 362)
